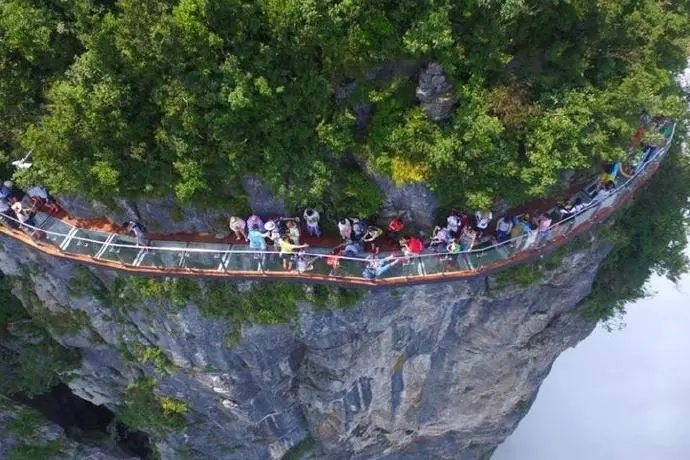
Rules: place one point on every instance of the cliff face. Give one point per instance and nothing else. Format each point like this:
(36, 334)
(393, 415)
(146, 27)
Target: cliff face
(434, 371)
(25, 434)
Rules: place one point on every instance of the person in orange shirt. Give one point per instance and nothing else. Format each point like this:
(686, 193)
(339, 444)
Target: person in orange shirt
(395, 226)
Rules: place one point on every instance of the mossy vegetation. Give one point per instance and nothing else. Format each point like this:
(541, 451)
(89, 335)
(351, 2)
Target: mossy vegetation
(26, 426)
(143, 410)
(153, 355)
(266, 303)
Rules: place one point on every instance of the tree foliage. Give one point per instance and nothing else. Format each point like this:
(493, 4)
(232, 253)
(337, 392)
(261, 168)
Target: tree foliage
(185, 97)
(650, 237)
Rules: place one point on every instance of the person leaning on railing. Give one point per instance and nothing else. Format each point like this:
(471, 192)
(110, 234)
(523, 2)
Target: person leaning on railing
(287, 251)
(377, 267)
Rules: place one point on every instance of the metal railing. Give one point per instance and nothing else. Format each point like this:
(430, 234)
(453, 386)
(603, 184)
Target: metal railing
(173, 258)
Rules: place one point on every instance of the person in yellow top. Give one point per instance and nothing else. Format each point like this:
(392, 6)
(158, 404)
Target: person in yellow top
(287, 250)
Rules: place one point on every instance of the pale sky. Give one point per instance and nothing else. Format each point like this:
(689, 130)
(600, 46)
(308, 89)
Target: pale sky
(619, 395)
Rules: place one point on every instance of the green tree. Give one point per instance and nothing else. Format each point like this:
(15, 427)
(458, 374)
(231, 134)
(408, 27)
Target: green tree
(151, 98)
(649, 236)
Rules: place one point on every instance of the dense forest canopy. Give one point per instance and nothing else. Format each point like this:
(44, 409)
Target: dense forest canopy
(152, 97)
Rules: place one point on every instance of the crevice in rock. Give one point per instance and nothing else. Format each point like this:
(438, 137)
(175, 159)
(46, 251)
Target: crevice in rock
(85, 422)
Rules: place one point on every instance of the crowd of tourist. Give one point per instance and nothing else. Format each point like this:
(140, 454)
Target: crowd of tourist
(362, 241)
(18, 208)
(461, 231)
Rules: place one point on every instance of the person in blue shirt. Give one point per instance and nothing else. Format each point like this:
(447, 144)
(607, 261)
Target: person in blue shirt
(257, 239)
(257, 242)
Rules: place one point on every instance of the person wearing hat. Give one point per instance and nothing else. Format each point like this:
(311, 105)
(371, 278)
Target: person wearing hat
(238, 225)
(273, 232)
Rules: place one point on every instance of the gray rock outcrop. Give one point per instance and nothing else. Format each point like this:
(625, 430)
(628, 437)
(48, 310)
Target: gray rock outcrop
(166, 215)
(435, 93)
(441, 371)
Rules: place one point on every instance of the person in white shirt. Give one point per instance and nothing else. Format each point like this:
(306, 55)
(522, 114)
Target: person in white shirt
(503, 228)
(572, 208)
(24, 215)
(453, 225)
(311, 217)
(483, 218)
(137, 230)
(345, 229)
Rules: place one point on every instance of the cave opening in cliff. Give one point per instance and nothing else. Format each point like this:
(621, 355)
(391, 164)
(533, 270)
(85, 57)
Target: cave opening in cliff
(85, 422)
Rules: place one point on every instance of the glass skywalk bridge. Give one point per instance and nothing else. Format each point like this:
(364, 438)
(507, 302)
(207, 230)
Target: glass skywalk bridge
(237, 261)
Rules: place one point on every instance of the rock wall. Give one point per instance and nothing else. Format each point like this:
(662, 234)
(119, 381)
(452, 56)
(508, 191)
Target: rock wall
(166, 215)
(437, 371)
(25, 434)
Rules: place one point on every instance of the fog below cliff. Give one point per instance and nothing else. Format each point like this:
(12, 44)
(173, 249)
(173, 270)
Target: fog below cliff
(617, 395)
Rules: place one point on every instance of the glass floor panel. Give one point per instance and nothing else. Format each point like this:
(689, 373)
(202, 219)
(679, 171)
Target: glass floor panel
(126, 254)
(584, 216)
(205, 260)
(169, 258)
(243, 261)
(458, 262)
(91, 248)
(59, 229)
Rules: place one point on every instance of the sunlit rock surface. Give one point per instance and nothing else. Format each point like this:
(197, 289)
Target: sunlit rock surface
(434, 371)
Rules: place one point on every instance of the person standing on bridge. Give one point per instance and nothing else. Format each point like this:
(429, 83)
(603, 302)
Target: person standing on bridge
(311, 217)
(238, 226)
(287, 251)
(370, 237)
(137, 230)
(257, 242)
(345, 229)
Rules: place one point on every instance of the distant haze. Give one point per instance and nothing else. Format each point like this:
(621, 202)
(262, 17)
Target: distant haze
(620, 395)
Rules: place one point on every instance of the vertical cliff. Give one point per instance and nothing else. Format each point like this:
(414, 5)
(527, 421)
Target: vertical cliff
(443, 370)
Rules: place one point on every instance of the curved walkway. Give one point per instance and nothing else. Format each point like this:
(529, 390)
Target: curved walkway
(162, 257)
